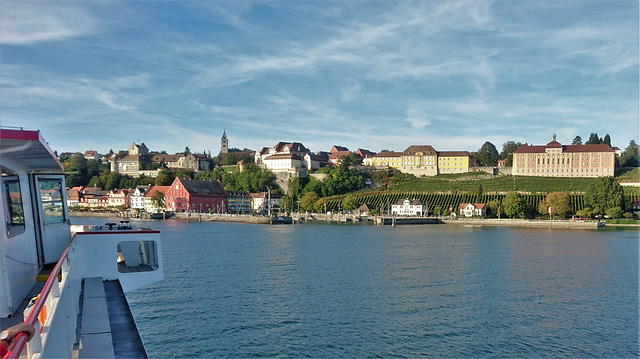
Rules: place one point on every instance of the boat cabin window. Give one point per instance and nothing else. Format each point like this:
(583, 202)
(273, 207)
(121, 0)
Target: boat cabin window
(14, 213)
(51, 196)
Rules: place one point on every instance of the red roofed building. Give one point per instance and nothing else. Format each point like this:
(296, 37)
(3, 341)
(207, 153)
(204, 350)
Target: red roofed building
(119, 197)
(334, 157)
(366, 155)
(557, 160)
(197, 196)
(149, 206)
(337, 148)
(636, 206)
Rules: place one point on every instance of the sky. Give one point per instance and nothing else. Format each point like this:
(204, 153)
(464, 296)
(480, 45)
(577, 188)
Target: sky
(378, 75)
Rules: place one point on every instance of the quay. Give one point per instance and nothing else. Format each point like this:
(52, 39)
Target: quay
(375, 220)
(531, 223)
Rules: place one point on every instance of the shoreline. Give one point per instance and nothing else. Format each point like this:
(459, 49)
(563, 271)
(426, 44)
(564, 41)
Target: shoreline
(377, 220)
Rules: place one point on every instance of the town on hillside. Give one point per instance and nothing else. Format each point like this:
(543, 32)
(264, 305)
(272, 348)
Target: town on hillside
(140, 181)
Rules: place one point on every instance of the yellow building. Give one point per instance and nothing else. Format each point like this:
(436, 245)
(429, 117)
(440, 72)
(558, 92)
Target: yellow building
(420, 161)
(454, 161)
(387, 159)
(425, 161)
(556, 160)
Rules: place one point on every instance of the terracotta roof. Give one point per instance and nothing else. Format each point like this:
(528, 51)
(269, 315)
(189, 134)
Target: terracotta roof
(566, 148)
(337, 148)
(166, 158)
(453, 153)
(476, 205)
(365, 153)
(284, 156)
(336, 155)
(130, 158)
(426, 149)
(155, 189)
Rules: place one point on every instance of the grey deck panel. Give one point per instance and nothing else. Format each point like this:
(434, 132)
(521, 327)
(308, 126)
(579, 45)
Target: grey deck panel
(96, 346)
(95, 316)
(126, 339)
(93, 287)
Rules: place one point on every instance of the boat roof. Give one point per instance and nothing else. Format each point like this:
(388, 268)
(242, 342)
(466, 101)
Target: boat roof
(28, 148)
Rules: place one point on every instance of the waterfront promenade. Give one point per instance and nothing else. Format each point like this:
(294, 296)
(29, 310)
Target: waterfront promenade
(375, 220)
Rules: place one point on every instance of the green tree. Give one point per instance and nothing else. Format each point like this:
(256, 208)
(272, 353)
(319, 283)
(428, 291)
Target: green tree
(614, 212)
(585, 213)
(319, 207)
(593, 139)
(607, 140)
(113, 181)
(164, 178)
(313, 185)
(487, 155)
(308, 201)
(558, 202)
(630, 156)
(350, 160)
(577, 140)
(286, 203)
(157, 200)
(514, 205)
(76, 163)
(603, 194)
(349, 202)
(341, 181)
(509, 148)
(494, 207)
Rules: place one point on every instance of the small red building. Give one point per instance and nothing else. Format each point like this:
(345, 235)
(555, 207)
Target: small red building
(196, 196)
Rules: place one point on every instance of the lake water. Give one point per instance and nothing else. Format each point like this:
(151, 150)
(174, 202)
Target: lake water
(359, 291)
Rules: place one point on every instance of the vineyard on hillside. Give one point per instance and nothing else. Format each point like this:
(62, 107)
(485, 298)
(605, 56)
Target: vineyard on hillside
(443, 201)
(467, 183)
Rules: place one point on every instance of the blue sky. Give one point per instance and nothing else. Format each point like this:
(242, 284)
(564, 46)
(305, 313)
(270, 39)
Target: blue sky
(361, 74)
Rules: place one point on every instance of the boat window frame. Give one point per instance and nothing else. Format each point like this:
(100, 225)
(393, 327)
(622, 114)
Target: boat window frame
(13, 228)
(46, 219)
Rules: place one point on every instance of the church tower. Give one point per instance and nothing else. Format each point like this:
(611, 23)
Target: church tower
(224, 143)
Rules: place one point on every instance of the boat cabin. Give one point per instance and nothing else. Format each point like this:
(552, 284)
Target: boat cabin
(35, 229)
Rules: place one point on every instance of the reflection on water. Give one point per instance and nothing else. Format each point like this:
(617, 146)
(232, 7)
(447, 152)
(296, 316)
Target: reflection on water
(317, 290)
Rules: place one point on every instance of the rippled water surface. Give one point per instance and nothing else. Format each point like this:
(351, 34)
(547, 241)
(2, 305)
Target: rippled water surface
(359, 291)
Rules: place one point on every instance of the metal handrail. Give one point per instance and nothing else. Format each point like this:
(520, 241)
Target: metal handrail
(19, 342)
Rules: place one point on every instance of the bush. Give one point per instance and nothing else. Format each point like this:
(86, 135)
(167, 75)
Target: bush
(614, 212)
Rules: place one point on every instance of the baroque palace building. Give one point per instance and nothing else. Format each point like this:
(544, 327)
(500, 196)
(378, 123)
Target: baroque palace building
(425, 161)
(557, 160)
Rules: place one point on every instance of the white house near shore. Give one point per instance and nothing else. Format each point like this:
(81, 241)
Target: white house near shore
(409, 207)
(473, 209)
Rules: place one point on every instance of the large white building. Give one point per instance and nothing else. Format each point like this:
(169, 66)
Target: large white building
(284, 157)
(408, 207)
(557, 160)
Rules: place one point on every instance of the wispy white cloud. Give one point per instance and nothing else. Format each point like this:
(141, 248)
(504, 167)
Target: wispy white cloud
(417, 117)
(443, 72)
(29, 22)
